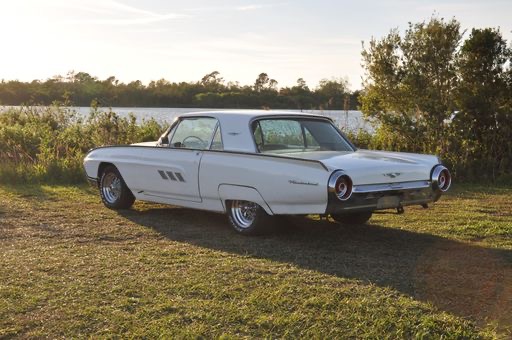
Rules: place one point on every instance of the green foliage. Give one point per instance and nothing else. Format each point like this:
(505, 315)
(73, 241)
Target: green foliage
(48, 144)
(333, 93)
(431, 92)
(210, 92)
(484, 98)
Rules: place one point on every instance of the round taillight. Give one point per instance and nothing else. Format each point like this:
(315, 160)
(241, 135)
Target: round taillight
(441, 178)
(343, 188)
(340, 185)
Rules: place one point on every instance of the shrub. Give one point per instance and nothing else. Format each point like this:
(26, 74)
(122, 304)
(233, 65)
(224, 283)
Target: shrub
(48, 144)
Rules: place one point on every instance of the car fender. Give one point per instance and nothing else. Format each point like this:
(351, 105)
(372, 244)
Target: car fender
(229, 192)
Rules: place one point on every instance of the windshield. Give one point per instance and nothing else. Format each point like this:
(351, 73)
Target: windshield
(286, 135)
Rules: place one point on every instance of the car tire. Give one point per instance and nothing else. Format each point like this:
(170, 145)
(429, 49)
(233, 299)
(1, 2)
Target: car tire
(353, 218)
(113, 190)
(247, 218)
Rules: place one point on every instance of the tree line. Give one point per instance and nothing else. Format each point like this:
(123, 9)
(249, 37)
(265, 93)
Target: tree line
(211, 91)
(434, 91)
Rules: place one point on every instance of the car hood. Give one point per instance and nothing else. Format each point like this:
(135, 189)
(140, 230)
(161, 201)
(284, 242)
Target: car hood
(372, 167)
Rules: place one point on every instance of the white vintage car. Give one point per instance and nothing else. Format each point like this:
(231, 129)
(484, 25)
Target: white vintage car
(256, 164)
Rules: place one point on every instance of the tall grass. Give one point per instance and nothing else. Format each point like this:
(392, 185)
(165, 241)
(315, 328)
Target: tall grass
(48, 144)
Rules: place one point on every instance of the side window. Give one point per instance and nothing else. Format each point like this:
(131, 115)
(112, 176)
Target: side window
(258, 135)
(280, 135)
(194, 133)
(217, 140)
(310, 140)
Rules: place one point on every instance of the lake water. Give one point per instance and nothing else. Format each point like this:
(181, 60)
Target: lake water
(346, 120)
(353, 120)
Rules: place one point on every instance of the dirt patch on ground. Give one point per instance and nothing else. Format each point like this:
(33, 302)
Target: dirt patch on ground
(470, 281)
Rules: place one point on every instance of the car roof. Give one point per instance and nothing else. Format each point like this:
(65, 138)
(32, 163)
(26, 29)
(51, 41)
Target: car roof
(234, 125)
(249, 114)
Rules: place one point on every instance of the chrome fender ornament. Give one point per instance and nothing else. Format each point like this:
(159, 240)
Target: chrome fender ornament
(292, 181)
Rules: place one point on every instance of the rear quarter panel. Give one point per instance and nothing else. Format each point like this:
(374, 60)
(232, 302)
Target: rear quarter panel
(281, 182)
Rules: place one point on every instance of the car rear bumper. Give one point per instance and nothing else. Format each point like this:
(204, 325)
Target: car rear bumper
(384, 196)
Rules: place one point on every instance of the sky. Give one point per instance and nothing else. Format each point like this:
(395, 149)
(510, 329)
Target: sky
(184, 40)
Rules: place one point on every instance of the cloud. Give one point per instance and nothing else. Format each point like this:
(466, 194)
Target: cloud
(249, 7)
(341, 41)
(245, 8)
(116, 13)
(135, 21)
(147, 30)
(118, 6)
(253, 7)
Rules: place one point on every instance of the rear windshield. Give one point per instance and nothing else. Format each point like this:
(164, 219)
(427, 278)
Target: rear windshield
(286, 135)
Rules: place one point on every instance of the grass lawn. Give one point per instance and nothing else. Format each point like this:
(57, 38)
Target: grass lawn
(72, 268)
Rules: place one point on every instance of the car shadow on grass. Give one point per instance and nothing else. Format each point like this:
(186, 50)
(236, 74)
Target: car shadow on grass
(470, 281)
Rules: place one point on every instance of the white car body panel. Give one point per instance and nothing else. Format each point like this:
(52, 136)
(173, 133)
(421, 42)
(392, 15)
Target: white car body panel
(239, 192)
(289, 183)
(140, 168)
(283, 197)
(373, 167)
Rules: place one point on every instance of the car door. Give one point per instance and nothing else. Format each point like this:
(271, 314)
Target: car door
(174, 169)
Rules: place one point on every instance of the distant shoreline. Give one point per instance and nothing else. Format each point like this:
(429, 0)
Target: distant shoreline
(351, 120)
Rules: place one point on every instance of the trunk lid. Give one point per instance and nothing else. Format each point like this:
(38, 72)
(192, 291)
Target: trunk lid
(375, 167)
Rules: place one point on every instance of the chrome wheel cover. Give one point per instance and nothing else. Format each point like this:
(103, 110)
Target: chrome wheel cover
(244, 213)
(111, 188)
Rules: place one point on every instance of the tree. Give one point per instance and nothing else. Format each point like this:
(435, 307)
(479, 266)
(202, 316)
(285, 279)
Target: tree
(272, 84)
(433, 94)
(83, 77)
(409, 81)
(213, 82)
(81, 88)
(261, 82)
(332, 92)
(212, 78)
(301, 84)
(301, 94)
(482, 89)
(484, 99)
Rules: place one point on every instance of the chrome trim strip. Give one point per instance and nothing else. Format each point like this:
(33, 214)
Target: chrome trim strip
(213, 135)
(292, 181)
(218, 151)
(391, 186)
(360, 207)
(92, 181)
(217, 128)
